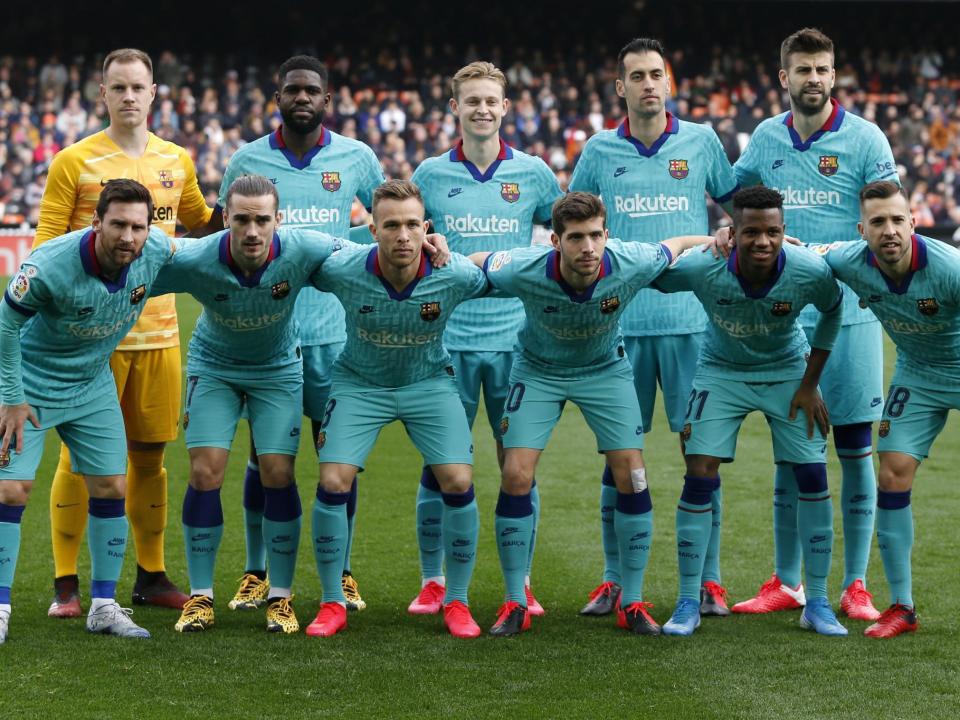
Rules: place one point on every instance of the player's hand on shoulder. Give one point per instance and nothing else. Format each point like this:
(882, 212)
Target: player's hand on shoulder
(13, 418)
(722, 244)
(435, 245)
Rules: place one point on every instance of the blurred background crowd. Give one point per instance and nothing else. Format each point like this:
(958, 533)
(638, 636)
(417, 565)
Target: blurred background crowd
(393, 95)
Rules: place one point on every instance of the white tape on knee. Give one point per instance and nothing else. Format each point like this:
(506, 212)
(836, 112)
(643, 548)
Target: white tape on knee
(638, 478)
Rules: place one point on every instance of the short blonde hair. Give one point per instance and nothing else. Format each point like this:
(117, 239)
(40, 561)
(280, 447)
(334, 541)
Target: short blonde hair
(479, 70)
(127, 55)
(395, 190)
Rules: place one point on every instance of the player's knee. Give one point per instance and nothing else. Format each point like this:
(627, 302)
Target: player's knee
(455, 482)
(811, 477)
(277, 471)
(517, 477)
(205, 475)
(335, 478)
(15, 492)
(897, 471)
(112, 487)
(152, 447)
(702, 465)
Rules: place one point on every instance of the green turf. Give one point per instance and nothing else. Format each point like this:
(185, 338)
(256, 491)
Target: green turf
(388, 664)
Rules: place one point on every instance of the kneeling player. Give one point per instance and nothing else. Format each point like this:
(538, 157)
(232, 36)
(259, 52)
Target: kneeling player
(912, 284)
(571, 349)
(394, 367)
(753, 358)
(62, 315)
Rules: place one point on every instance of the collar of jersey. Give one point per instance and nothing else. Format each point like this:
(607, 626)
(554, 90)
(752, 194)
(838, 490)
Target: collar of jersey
(277, 143)
(673, 125)
(457, 155)
(373, 267)
(918, 261)
(733, 265)
(226, 257)
(832, 124)
(88, 258)
(553, 272)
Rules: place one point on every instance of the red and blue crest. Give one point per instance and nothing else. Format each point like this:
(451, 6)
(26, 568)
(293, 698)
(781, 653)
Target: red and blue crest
(678, 169)
(166, 179)
(510, 192)
(829, 164)
(331, 181)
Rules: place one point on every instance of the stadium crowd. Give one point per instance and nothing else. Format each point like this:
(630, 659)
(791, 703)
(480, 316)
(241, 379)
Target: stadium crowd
(398, 104)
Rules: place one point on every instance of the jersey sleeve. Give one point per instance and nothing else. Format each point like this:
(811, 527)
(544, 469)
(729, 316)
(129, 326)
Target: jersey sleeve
(584, 179)
(180, 269)
(549, 193)
(23, 298)
(474, 279)
(59, 199)
(747, 168)
(193, 211)
(372, 178)
(499, 270)
(645, 261)
(684, 274)
(829, 301)
(878, 162)
(721, 180)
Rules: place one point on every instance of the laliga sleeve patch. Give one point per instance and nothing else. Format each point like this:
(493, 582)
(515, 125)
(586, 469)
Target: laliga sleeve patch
(20, 285)
(498, 260)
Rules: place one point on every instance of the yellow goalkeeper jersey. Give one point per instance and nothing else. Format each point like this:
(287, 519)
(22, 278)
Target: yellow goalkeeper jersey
(76, 176)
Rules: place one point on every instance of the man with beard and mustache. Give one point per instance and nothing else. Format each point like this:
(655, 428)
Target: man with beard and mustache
(818, 156)
(317, 174)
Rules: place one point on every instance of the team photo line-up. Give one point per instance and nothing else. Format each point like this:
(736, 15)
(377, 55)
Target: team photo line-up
(356, 327)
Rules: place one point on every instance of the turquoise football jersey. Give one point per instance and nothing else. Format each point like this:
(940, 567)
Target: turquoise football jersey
(395, 338)
(753, 335)
(921, 315)
(72, 319)
(654, 193)
(820, 179)
(485, 212)
(247, 324)
(570, 334)
(316, 193)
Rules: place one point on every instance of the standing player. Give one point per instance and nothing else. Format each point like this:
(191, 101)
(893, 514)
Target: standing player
(912, 284)
(147, 365)
(394, 367)
(819, 156)
(482, 195)
(62, 315)
(570, 349)
(653, 172)
(754, 358)
(317, 173)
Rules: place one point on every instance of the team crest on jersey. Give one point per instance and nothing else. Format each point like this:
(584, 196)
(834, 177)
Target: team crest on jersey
(829, 164)
(686, 432)
(884, 428)
(678, 169)
(608, 305)
(928, 306)
(138, 294)
(166, 179)
(280, 290)
(510, 192)
(186, 419)
(330, 181)
(4, 459)
(321, 439)
(781, 308)
(20, 286)
(862, 304)
(429, 311)
(504, 425)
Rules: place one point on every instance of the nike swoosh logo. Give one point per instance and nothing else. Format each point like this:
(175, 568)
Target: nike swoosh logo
(67, 505)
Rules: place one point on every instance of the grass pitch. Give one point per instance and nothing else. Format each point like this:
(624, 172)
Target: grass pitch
(389, 664)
